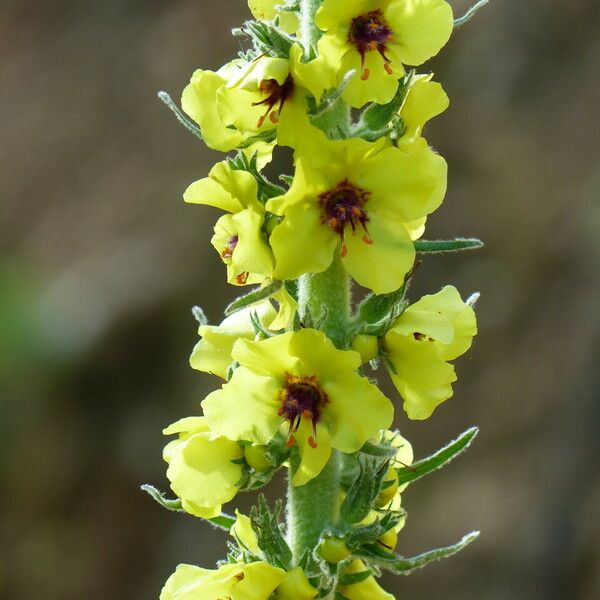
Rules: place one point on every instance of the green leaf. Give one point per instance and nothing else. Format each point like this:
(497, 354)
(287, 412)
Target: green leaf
(357, 536)
(438, 460)
(240, 162)
(375, 119)
(180, 115)
(382, 450)
(158, 496)
(469, 14)
(224, 521)
(365, 488)
(267, 527)
(354, 578)
(254, 296)
(405, 566)
(440, 246)
(267, 38)
(258, 326)
(199, 315)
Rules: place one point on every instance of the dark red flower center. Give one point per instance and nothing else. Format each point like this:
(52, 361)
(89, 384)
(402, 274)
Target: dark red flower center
(301, 397)
(343, 205)
(422, 337)
(275, 96)
(371, 32)
(227, 252)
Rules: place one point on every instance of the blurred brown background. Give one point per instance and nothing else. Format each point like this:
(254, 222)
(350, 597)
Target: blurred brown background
(101, 260)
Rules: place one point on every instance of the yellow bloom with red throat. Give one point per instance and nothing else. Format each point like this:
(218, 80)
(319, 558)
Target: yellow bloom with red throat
(299, 382)
(377, 37)
(361, 199)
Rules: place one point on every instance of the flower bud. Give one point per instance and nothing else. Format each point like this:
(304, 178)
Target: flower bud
(295, 586)
(333, 550)
(256, 457)
(389, 539)
(366, 346)
(389, 489)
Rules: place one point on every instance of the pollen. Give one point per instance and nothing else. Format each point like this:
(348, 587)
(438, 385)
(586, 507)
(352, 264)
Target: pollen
(371, 32)
(276, 95)
(345, 205)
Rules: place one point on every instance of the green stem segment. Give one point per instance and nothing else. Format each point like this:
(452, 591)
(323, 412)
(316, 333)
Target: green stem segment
(314, 507)
(309, 32)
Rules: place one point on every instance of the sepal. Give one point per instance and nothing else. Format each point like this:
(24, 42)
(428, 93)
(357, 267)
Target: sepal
(365, 488)
(268, 529)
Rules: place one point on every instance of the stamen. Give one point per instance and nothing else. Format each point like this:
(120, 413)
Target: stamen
(302, 397)
(367, 33)
(242, 278)
(276, 95)
(345, 205)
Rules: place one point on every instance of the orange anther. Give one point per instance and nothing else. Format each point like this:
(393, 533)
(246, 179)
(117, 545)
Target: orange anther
(290, 441)
(365, 74)
(274, 118)
(388, 68)
(367, 240)
(312, 442)
(344, 250)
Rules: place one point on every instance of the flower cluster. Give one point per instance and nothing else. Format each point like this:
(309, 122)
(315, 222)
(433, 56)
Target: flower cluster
(334, 82)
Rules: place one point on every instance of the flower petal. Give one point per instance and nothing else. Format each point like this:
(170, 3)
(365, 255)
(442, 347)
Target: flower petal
(245, 408)
(421, 28)
(382, 265)
(356, 411)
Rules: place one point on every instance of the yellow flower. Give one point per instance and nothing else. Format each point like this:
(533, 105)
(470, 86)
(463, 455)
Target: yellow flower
(425, 100)
(271, 94)
(366, 196)
(212, 354)
(269, 9)
(199, 101)
(301, 379)
(239, 237)
(376, 37)
(436, 329)
(237, 581)
(368, 589)
(200, 469)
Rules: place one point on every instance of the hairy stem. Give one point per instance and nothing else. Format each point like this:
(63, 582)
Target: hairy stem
(324, 301)
(309, 32)
(313, 507)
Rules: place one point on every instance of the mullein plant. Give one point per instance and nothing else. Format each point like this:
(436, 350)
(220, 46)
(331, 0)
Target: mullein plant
(337, 83)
